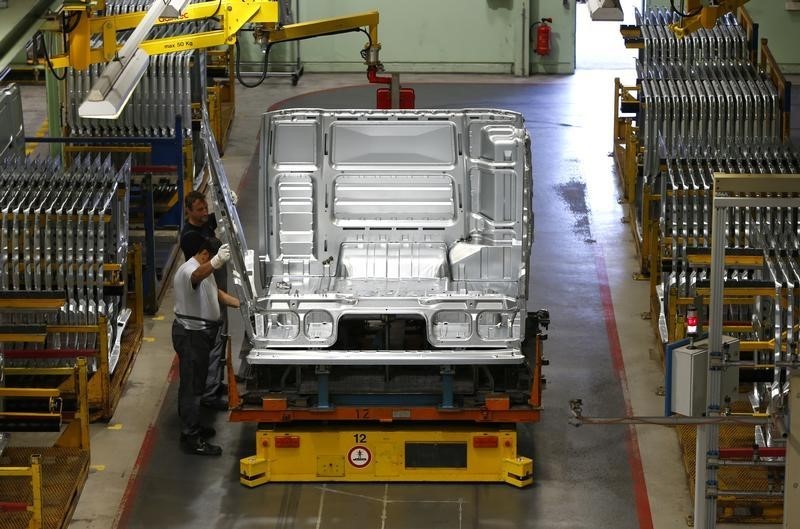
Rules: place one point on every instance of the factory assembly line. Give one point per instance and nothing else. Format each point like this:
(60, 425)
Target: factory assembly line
(389, 285)
(389, 334)
(411, 310)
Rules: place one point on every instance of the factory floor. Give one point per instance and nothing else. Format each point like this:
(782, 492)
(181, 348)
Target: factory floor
(600, 350)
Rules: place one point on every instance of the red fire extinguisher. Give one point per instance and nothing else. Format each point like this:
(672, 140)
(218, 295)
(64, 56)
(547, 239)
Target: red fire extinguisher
(543, 36)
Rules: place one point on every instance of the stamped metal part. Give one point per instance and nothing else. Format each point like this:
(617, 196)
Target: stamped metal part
(416, 216)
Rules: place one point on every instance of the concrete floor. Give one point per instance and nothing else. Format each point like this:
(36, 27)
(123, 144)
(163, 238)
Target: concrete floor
(600, 349)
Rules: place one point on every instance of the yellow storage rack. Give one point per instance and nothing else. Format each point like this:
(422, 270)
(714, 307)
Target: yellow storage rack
(40, 486)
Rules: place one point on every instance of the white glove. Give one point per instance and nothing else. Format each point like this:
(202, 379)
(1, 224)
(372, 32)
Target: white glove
(222, 257)
(234, 197)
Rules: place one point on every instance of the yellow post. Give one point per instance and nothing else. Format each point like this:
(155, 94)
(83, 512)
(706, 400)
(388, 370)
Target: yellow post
(137, 297)
(109, 40)
(36, 493)
(82, 414)
(672, 315)
(103, 370)
(79, 42)
(76, 435)
(631, 152)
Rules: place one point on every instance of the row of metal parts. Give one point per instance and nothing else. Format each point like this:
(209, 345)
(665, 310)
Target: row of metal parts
(725, 43)
(701, 90)
(171, 83)
(60, 226)
(713, 107)
(773, 233)
(686, 211)
(704, 107)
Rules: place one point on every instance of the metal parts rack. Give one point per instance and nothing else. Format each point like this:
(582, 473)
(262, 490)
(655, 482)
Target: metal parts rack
(40, 486)
(65, 273)
(704, 106)
(705, 89)
(752, 195)
(156, 207)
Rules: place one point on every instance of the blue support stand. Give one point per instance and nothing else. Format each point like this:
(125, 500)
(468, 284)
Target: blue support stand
(323, 390)
(448, 385)
(149, 275)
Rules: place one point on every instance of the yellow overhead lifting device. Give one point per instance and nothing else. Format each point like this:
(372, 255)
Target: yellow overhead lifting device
(233, 15)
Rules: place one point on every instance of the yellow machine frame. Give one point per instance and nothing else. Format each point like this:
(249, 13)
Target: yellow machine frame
(233, 15)
(702, 15)
(75, 439)
(220, 97)
(34, 472)
(378, 453)
(626, 144)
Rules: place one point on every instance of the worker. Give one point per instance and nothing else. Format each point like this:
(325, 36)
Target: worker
(198, 220)
(194, 332)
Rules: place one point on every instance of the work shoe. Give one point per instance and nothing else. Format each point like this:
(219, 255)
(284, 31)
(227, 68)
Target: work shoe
(218, 404)
(196, 445)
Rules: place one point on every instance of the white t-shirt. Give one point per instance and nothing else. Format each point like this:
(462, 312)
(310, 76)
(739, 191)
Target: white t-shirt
(200, 304)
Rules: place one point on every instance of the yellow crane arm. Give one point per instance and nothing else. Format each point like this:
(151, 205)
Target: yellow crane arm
(703, 14)
(232, 14)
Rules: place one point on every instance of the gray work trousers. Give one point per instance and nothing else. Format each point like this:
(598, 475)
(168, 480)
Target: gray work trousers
(194, 350)
(216, 361)
(216, 365)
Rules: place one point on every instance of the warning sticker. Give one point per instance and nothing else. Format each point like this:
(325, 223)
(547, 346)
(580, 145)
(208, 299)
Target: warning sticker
(359, 456)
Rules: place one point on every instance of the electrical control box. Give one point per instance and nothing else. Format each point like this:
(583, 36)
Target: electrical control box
(690, 376)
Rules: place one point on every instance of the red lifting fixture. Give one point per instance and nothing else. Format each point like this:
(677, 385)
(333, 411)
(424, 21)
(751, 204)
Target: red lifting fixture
(405, 96)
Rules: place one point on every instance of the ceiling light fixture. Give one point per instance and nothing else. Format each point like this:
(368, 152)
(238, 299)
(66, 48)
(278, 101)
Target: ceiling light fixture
(606, 10)
(112, 90)
(116, 84)
(174, 8)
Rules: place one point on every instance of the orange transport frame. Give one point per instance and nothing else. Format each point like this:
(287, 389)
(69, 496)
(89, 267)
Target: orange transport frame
(497, 409)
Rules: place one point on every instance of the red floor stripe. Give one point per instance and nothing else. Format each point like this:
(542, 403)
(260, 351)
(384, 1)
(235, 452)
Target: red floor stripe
(172, 376)
(125, 505)
(632, 442)
(145, 452)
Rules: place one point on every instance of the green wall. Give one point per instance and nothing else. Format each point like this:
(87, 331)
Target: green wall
(562, 39)
(425, 36)
(489, 36)
(468, 36)
(781, 28)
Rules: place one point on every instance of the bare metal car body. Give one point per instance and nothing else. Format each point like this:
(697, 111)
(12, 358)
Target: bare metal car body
(388, 238)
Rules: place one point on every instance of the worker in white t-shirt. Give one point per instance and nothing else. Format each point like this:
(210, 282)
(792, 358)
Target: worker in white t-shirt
(194, 332)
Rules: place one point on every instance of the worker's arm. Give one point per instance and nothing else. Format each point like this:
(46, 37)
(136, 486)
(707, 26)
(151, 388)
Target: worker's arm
(215, 263)
(227, 300)
(201, 272)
